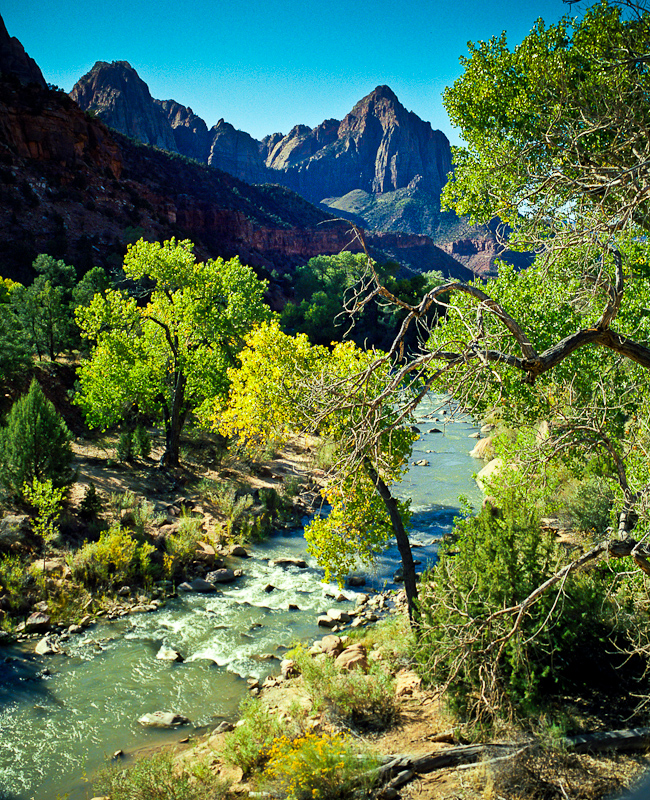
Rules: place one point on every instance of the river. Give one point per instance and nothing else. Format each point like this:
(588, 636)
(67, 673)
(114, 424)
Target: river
(61, 716)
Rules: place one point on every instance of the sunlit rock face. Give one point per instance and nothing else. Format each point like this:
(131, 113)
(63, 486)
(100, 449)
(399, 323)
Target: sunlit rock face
(117, 94)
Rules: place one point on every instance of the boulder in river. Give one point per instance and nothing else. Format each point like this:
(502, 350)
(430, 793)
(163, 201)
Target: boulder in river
(239, 551)
(221, 576)
(202, 586)
(326, 621)
(484, 448)
(167, 654)
(163, 719)
(289, 562)
(48, 646)
(356, 580)
(338, 616)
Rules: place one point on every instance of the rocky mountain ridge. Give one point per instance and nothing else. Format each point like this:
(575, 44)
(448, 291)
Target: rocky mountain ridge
(15, 61)
(73, 188)
(381, 166)
(378, 147)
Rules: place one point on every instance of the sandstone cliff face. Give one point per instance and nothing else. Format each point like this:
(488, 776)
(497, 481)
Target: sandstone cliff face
(189, 130)
(117, 94)
(237, 153)
(15, 61)
(379, 147)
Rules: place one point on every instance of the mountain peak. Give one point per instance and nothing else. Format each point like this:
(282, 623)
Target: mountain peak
(15, 61)
(382, 92)
(117, 94)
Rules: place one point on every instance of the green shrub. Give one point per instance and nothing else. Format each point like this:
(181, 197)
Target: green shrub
(589, 506)
(35, 443)
(141, 442)
(292, 486)
(115, 559)
(125, 450)
(319, 767)
(354, 696)
(181, 545)
(248, 745)
(13, 580)
(465, 643)
(159, 778)
(91, 504)
(325, 453)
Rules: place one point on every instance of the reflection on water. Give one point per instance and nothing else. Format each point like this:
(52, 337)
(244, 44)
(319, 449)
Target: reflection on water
(54, 727)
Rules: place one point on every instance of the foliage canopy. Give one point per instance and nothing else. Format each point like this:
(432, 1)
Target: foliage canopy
(170, 356)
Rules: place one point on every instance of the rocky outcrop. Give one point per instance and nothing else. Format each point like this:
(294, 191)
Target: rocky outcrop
(46, 126)
(379, 147)
(73, 188)
(15, 61)
(189, 130)
(479, 252)
(381, 167)
(237, 153)
(117, 94)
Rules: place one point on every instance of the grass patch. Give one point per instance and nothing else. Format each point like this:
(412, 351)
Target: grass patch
(159, 778)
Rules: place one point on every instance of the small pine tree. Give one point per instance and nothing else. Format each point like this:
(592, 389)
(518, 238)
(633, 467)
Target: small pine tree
(125, 450)
(142, 441)
(91, 504)
(35, 443)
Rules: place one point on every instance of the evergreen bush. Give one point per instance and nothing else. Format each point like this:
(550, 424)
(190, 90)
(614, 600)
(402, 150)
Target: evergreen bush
(142, 442)
(125, 447)
(91, 504)
(35, 443)
(466, 640)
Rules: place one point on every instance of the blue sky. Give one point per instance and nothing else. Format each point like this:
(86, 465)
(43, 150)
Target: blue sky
(267, 65)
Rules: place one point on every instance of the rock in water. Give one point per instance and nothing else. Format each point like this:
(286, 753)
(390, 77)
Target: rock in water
(163, 719)
(204, 587)
(167, 654)
(48, 646)
(221, 576)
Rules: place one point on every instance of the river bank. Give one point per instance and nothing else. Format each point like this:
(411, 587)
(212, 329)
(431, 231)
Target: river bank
(90, 703)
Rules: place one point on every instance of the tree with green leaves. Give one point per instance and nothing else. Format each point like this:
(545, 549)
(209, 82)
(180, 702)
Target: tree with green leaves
(170, 356)
(44, 307)
(286, 386)
(556, 128)
(15, 352)
(34, 444)
(557, 147)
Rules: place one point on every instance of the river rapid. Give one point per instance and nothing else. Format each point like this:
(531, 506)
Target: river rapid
(62, 716)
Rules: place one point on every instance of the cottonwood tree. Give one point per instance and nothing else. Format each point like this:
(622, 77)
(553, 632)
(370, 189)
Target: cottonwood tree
(286, 386)
(170, 356)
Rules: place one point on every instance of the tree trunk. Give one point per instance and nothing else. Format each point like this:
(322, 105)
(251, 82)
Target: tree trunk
(403, 543)
(174, 422)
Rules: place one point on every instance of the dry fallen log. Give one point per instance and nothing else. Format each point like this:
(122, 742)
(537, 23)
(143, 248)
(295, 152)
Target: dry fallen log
(629, 739)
